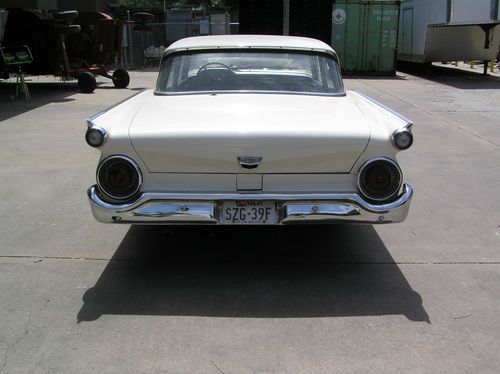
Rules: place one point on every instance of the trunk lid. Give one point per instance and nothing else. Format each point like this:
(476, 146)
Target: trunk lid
(208, 133)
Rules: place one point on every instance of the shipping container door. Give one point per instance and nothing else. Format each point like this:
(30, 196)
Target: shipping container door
(380, 40)
(347, 21)
(364, 34)
(372, 36)
(406, 45)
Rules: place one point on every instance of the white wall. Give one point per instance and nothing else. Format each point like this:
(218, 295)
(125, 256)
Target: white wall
(436, 11)
(424, 13)
(471, 10)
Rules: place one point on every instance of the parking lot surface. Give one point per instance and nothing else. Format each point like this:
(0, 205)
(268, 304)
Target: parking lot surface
(421, 296)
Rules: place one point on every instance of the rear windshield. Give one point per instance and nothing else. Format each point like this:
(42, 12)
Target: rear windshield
(243, 71)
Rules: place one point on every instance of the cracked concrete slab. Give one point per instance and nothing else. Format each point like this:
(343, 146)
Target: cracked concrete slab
(420, 296)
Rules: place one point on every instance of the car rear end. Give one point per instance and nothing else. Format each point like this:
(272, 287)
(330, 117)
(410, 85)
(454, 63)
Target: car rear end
(231, 155)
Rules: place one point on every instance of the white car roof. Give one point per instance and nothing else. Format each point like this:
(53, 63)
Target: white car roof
(250, 41)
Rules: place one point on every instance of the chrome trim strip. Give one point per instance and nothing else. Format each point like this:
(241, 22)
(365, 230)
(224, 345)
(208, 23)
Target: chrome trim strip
(94, 116)
(318, 212)
(237, 92)
(190, 212)
(214, 48)
(168, 208)
(409, 123)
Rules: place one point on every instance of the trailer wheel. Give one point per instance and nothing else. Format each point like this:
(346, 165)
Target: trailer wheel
(86, 82)
(69, 29)
(121, 79)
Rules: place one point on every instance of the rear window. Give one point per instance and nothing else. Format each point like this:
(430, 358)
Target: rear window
(243, 71)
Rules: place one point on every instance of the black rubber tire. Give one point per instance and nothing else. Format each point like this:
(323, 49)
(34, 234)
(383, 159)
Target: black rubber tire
(121, 79)
(87, 82)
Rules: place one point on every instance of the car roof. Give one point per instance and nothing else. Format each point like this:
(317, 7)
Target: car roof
(250, 41)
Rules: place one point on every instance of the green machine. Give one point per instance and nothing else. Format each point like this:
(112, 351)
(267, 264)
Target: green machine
(14, 58)
(365, 35)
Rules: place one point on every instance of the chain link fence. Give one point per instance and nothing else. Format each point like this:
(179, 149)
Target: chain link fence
(144, 46)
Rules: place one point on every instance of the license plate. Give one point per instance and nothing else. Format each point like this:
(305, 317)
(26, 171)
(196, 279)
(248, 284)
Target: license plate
(249, 212)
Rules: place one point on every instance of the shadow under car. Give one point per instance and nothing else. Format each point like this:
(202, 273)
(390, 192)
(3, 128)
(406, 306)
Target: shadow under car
(253, 272)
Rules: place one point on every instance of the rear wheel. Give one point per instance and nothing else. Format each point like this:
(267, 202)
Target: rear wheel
(121, 78)
(87, 82)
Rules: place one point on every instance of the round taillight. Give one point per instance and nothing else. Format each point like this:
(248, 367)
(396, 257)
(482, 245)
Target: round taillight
(379, 179)
(403, 139)
(119, 177)
(95, 136)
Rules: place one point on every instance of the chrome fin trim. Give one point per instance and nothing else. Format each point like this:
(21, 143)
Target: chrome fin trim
(409, 122)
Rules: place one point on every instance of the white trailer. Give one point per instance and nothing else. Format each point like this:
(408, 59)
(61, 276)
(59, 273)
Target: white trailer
(448, 30)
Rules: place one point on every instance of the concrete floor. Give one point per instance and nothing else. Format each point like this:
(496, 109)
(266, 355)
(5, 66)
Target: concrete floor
(420, 297)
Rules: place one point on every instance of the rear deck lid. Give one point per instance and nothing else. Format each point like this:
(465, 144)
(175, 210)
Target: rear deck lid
(209, 133)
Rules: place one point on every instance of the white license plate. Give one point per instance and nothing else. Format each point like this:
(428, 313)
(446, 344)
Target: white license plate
(249, 212)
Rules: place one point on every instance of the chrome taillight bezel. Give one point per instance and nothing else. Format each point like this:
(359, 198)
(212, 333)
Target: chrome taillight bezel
(134, 167)
(400, 132)
(362, 187)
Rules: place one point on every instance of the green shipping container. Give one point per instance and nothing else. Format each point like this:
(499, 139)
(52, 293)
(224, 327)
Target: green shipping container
(365, 35)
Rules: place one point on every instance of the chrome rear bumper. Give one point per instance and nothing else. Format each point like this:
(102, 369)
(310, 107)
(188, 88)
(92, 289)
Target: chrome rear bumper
(196, 208)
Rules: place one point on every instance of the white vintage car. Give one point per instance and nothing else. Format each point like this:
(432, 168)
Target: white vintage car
(248, 129)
